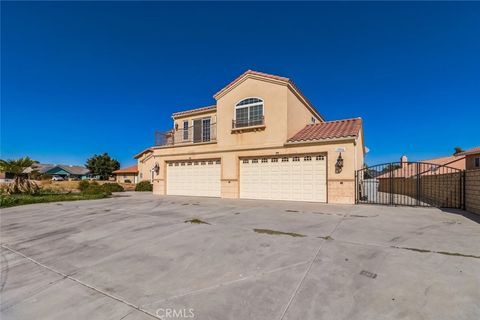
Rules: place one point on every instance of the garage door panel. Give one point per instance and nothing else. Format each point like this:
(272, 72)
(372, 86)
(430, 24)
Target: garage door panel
(300, 178)
(197, 178)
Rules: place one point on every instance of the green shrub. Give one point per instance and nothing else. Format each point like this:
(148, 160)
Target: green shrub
(21, 199)
(113, 187)
(96, 189)
(7, 201)
(144, 186)
(83, 185)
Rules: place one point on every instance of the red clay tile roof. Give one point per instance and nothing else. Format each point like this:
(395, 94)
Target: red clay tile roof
(196, 110)
(271, 76)
(329, 130)
(131, 169)
(470, 151)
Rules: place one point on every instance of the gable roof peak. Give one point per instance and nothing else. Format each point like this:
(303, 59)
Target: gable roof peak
(290, 84)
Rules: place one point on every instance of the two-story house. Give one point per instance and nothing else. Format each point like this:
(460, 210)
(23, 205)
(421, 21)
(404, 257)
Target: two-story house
(263, 139)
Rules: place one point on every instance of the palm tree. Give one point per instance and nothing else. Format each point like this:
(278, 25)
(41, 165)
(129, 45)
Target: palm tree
(20, 183)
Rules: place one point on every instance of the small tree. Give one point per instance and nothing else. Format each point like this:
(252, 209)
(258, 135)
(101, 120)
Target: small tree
(457, 150)
(20, 183)
(102, 165)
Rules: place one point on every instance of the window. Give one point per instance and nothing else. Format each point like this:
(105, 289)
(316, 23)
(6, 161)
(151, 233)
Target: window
(210, 162)
(206, 129)
(274, 160)
(185, 130)
(313, 120)
(249, 112)
(477, 162)
(201, 130)
(264, 160)
(245, 161)
(217, 162)
(170, 164)
(307, 158)
(319, 158)
(284, 159)
(255, 161)
(176, 164)
(296, 159)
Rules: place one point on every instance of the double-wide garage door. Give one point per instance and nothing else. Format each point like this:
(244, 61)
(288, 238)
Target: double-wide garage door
(297, 178)
(194, 178)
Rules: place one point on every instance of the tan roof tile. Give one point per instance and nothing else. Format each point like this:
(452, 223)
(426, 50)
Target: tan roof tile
(131, 169)
(196, 110)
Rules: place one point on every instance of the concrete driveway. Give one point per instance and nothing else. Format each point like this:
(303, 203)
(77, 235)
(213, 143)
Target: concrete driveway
(135, 257)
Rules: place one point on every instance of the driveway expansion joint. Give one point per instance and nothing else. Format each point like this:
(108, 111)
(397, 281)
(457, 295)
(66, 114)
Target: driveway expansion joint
(66, 276)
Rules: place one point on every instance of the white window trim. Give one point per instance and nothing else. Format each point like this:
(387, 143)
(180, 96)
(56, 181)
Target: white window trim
(248, 105)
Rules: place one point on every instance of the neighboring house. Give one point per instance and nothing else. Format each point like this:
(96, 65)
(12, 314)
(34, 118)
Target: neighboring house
(6, 176)
(126, 175)
(65, 171)
(472, 158)
(263, 139)
(425, 167)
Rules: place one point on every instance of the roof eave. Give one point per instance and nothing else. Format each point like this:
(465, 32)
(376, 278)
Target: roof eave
(320, 141)
(193, 113)
(283, 81)
(138, 155)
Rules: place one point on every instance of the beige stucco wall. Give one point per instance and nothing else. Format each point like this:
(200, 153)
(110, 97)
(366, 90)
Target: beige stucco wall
(340, 185)
(145, 164)
(274, 97)
(298, 116)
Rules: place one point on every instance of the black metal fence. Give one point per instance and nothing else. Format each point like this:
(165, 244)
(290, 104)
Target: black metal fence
(411, 184)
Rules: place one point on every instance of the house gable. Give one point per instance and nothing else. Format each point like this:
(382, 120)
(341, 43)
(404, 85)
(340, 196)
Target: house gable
(250, 74)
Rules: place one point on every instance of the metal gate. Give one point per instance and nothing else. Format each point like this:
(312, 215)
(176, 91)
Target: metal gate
(410, 184)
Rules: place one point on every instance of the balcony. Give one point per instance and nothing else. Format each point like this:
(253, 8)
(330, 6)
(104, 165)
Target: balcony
(248, 125)
(201, 133)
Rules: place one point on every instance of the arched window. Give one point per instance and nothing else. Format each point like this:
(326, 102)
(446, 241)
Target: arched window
(249, 112)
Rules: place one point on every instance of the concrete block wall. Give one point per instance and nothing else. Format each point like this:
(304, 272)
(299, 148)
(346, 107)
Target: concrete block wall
(472, 191)
(443, 190)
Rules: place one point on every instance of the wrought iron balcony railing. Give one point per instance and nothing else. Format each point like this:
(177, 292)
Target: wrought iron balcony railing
(236, 124)
(195, 134)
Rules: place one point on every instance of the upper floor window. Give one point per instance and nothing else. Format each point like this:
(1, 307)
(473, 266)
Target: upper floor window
(249, 112)
(477, 162)
(185, 130)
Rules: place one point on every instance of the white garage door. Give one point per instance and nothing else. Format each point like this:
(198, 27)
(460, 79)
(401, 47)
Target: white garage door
(194, 178)
(298, 178)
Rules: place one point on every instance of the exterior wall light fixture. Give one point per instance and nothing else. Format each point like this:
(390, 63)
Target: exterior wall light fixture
(339, 163)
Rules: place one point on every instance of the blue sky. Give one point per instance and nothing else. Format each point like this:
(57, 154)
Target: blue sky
(92, 77)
